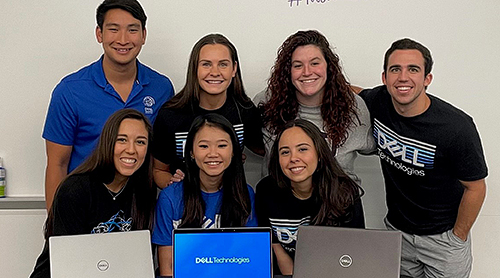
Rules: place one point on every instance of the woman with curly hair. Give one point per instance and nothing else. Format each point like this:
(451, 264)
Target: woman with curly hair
(307, 82)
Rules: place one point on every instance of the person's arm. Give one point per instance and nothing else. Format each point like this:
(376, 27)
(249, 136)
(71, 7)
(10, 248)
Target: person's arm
(355, 89)
(165, 260)
(252, 218)
(58, 157)
(472, 200)
(285, 262)
(161, 173)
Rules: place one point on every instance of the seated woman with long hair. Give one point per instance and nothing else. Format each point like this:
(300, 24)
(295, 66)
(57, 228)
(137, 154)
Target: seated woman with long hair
(214, 192)
(306, 186)
(112, 191)
(214, 84)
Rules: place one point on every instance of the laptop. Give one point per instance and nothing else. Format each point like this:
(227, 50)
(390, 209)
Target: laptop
(121, 254)
(347, 253)
(222, 253)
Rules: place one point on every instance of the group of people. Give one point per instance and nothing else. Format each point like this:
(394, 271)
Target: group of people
(115, 133)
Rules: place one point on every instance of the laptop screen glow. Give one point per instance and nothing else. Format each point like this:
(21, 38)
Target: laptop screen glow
(222, 253)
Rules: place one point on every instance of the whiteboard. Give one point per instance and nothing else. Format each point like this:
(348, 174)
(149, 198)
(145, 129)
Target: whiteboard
(46, 40)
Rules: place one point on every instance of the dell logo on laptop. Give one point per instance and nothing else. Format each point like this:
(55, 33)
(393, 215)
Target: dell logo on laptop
(102, 265)
(345, 261)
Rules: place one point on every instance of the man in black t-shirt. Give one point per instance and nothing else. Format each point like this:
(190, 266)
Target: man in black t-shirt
(433, 165)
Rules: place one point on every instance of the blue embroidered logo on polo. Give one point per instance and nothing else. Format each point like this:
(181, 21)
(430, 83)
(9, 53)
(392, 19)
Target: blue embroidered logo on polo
(148, 102)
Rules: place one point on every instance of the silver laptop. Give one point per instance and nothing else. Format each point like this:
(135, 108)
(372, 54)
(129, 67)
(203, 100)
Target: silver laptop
(222, 253)
(347, 253)
(121, 254)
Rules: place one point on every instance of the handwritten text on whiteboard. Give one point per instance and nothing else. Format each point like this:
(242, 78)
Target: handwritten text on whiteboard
(296, 3)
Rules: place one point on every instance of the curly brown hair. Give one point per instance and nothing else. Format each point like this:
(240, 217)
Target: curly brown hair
(338, 107)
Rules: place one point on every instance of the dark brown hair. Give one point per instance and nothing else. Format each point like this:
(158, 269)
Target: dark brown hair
(332, 188)
(236, 206)
(338, 107)
(190, 93)
(101, 164)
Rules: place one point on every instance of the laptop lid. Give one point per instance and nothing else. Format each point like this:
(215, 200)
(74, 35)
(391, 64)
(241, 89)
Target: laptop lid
(125, 254)
(222, 253)
(347, 253)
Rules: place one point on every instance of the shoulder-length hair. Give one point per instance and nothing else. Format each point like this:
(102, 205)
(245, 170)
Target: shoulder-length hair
(101, 164)
(338, 107)
(236, 207)
(332, 187)
(190, 93)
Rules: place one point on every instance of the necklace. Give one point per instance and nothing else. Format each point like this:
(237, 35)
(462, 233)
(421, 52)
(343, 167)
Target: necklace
(115, 195)
(298, 196)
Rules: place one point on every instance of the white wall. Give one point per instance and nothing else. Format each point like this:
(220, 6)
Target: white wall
(41, 41)
(21, 241)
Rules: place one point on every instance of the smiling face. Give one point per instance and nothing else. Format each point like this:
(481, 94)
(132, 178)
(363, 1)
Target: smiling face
(121, 37)
(297, 157)
(212, 151)
(216, 70)
(405, 80)
(309, 74)
(130, 148)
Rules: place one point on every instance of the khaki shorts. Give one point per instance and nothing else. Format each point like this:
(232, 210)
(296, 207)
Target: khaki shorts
(442, 255)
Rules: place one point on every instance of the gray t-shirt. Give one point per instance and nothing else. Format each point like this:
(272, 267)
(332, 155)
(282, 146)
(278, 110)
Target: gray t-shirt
(359, 139)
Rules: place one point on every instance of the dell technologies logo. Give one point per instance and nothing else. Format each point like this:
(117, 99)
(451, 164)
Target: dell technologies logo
(345, 261)
(102, 265)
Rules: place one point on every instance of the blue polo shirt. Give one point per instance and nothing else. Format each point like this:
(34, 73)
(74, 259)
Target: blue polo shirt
(82, 102)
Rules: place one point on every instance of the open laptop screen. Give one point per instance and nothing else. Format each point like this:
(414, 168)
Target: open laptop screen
(226, 252)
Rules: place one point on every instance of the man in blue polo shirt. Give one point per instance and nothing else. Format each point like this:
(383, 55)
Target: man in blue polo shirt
(82, 101)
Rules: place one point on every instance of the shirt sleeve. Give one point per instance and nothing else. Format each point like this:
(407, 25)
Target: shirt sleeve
(252, 220)
(467, 155)
(162, 232)
(70, 207)
(164, 138)
(358, 217)
(368, 145)
(61, 122)
(262, 207)
(370, 95)
(253, 129)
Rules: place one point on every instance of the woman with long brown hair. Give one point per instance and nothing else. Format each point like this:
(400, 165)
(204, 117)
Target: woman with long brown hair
(214, 84)
(306, 186)
(112, 191)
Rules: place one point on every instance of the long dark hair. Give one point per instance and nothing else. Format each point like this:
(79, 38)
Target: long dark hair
(236, 207)
(332, 188)
(190, 93)
(101, 164)
(338, 107)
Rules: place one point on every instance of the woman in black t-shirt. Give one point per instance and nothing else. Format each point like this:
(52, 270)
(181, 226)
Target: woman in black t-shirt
(112, 191)
(306, 186)
(213, 85)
